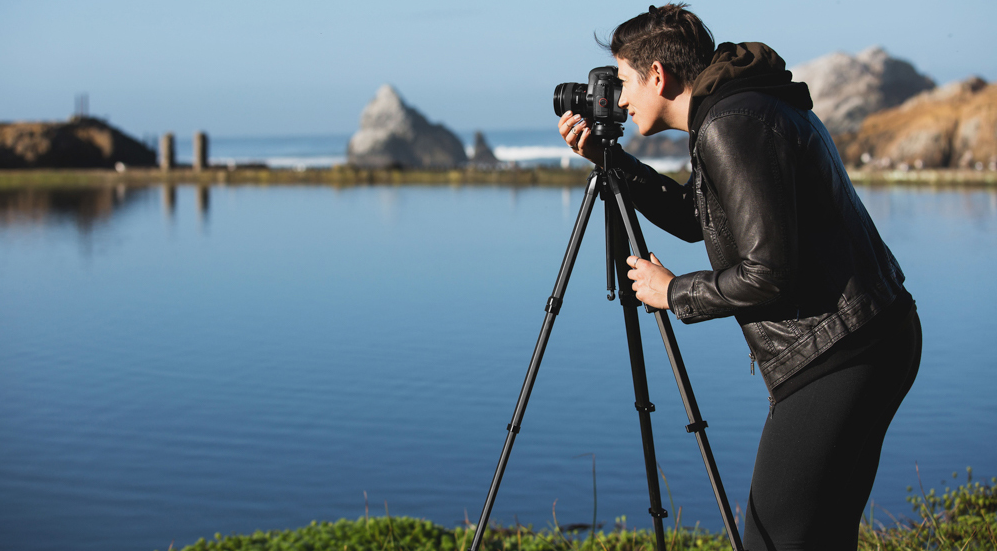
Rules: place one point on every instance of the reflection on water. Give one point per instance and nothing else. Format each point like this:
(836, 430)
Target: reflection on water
(89, 206)
(86, 207)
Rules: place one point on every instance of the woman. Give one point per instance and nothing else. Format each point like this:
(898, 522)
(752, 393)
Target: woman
(795, 258)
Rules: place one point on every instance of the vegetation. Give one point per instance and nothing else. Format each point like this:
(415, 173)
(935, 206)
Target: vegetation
(335, 176)
(964, 518)
(343, 176)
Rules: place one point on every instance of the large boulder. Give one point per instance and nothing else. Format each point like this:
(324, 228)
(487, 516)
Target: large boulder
(846, 89)
(82, 142)
(392, 134)
(954, 126)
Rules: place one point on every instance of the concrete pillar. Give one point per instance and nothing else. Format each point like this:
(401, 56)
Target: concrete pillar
(167, 152)
(200, 150)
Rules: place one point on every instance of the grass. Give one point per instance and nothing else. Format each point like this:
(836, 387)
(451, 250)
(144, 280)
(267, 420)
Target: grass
(963, 518)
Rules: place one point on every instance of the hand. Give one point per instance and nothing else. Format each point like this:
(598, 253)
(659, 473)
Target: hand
(578, 136)
(651, 281)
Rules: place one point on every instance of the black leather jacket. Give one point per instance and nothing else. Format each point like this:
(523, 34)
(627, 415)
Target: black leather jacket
(795, 256)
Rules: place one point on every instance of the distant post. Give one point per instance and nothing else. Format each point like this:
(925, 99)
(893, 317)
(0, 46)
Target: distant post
(167, 152)
(200, 150)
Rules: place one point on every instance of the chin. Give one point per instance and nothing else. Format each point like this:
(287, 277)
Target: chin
(649, 131)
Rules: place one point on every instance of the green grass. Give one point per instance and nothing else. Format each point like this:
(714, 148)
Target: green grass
(963, 518)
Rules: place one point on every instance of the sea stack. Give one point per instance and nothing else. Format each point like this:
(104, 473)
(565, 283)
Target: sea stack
(394, 135)
(483, 157)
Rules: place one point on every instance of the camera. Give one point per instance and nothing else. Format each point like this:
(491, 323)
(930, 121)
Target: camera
(599, 101)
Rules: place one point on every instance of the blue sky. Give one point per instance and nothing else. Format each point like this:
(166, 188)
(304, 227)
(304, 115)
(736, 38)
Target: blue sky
(309, 67)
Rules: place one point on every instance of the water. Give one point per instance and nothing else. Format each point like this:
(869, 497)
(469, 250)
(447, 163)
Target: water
(247, 358)
(525, 147)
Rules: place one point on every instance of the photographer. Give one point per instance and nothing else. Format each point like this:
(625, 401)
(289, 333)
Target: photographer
(795, 259)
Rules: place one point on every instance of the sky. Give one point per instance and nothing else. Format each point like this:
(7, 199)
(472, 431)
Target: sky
(253, 68)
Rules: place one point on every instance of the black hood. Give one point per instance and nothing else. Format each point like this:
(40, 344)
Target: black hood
(748, 66)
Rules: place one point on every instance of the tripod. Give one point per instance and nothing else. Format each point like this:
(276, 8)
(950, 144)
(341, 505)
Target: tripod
(622, 234)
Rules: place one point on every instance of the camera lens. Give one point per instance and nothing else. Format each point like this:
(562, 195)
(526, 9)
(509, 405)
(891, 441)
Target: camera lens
(570, 96)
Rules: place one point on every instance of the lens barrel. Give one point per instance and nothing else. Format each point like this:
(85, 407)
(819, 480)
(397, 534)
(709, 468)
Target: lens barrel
(570, 96)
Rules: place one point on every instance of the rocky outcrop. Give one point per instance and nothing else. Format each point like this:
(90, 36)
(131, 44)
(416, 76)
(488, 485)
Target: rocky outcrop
(82, 142)
(483, 156)
(393, 134)
(846, 89)
(954, 126)
(658, 146)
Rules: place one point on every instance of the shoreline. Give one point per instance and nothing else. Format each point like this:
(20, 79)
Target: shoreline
(348, 176)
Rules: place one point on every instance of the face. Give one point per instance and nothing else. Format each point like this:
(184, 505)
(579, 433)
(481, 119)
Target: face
(641, 100)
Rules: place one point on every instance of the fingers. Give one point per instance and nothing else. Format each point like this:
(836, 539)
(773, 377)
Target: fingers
(573, 129)
(650, 280)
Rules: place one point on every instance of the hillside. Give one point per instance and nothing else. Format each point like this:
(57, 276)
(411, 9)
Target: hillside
(81, 142)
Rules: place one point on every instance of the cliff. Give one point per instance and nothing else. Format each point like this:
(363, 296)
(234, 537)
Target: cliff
(82, 142)
(951, 127)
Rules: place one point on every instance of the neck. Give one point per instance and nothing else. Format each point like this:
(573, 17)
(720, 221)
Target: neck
(678, 112)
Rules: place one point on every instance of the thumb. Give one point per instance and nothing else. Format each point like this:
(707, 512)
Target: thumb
(655, 260)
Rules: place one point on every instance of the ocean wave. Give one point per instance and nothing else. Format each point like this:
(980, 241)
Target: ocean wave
(531, 152)
(669, 164)
(295, 162)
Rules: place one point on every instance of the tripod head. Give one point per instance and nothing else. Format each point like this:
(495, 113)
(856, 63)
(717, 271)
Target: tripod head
(607, 131)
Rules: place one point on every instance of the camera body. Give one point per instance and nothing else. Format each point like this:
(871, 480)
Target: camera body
(598, 101)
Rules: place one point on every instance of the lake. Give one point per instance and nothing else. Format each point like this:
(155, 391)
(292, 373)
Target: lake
(180, 362)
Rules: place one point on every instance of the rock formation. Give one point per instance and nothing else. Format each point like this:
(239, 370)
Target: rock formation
(658, 146)
(83, 142)
(393, 134)
(846, 89)
(954, 126)
(483, 156)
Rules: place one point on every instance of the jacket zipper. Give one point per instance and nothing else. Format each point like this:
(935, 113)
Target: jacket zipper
(752, 356)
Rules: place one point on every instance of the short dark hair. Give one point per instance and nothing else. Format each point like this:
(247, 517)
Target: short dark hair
(671, 35)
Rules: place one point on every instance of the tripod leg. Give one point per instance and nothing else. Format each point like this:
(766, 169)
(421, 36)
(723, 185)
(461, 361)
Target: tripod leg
(553, 307)
(642, 400)
(618, 187)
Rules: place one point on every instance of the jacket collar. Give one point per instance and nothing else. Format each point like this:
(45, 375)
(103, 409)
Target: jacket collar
(748, 66)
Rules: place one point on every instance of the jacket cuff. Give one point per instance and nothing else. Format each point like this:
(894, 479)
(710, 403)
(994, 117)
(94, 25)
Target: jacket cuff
(681, 297)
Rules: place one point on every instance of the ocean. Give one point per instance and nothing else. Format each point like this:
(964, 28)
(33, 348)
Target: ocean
(525, 147)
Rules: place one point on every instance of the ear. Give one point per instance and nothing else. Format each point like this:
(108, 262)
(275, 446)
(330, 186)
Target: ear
(657, 77)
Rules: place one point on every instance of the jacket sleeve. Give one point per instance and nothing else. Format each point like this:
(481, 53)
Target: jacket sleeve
(664, 202)
(752, 172)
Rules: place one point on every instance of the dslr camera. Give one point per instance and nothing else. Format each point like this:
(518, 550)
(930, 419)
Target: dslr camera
(598, 101)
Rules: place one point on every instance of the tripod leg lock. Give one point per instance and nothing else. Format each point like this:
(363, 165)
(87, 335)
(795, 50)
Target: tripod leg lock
(658, 513)
(696, 427)
(629, 300)
(553, 305)
(512, 429)
(646, 408)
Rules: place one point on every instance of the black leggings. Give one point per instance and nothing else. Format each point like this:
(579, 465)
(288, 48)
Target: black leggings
(820, 448)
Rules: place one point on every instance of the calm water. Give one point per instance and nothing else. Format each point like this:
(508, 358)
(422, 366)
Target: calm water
(244, 358)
